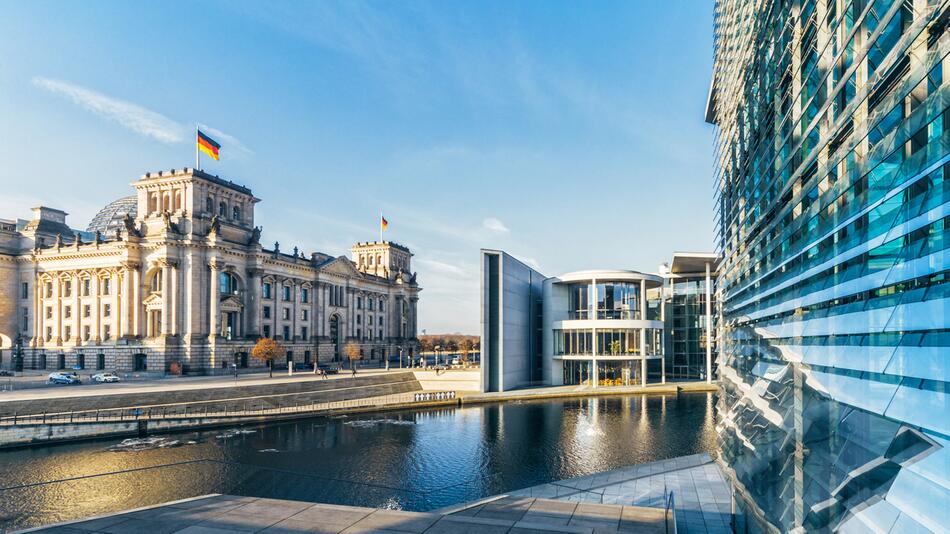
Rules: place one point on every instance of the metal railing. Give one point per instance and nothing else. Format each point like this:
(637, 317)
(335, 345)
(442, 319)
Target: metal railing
(222, 410)
(669, 511)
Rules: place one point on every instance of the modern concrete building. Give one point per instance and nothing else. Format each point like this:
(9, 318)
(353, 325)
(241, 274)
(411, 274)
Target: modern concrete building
(511, 323)
(833, 149)
(598, 328)
(175, 278)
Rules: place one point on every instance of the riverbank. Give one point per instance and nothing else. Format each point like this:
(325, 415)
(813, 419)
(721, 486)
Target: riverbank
(37, 417)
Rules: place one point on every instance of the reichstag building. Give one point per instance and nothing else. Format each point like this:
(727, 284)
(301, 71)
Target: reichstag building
(175, 279)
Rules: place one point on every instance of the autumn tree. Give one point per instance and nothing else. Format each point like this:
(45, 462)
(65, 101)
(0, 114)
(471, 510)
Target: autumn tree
(465, 347)
(352, 351)
(267, 350)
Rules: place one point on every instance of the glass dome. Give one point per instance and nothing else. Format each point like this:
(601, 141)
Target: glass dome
(109, 219)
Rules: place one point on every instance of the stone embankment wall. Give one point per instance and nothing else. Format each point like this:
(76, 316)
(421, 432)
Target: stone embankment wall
(454, 380)
(230, 397)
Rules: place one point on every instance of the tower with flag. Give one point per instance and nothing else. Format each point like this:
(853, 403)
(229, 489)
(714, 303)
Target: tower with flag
(383, 224)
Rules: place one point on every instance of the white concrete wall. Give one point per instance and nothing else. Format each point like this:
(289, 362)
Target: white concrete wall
(449, 380)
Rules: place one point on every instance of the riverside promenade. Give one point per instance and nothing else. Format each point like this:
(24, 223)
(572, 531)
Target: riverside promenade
(686, 495)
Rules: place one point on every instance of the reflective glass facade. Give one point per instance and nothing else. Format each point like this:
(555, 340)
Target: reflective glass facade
(833, 202)
(686, 328)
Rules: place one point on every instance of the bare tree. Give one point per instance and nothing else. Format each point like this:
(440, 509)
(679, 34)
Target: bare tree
(352, 351)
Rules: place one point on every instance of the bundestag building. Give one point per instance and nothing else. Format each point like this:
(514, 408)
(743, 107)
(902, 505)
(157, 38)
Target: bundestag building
(832, 154)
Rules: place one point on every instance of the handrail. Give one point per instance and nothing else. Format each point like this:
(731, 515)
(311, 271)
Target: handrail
(669, 511)
(253, 409)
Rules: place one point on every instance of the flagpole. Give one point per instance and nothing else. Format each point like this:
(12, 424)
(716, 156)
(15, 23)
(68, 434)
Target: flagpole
(197, 152)
(380, 226)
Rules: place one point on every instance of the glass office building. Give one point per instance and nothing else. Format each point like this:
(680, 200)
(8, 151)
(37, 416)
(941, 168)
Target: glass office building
(832, 157)
(691, 316)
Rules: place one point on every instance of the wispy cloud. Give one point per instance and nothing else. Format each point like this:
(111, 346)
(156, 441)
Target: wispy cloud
(442, 267)
(132, 116)
(495, 225)
(228, 142)
(139, 119)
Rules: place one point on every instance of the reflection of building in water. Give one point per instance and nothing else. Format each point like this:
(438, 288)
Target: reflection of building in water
(175, 277)
(597, 328)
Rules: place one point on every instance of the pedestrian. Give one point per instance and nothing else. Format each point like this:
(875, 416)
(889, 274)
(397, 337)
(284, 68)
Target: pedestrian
(354, 371)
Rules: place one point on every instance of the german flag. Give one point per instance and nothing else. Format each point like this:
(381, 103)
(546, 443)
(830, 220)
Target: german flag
(208, 145)
(383, 223)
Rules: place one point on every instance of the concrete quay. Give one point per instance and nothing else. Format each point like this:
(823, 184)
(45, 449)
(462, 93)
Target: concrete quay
(227, 514)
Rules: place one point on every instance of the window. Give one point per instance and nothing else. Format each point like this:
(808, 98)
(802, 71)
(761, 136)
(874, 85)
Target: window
(49, 333)
(222, 209)
(371, 320)
(236, 213)
(67, 332)
(26, 320)
(359, 303)
(85, 333)
(209, 204)
(305, 295)
(106, 310)
(286, 332)
(67, 288)
(49, 290)
(87, 311)
(86, 283)
(380, 322)
(303, 333)
(382, 305)
(370, 303)
(106, 333)
(359, 333)
(49, 312)
(24, 290)
(227, 284)
(67, 312)
(380, 334)
(305, 315)
(100, 361)
(266, 331)
(155, 283)
(286, 314)
(359, 319)
(106, 286)
(286, 290)
(267, 312)
(266, 290)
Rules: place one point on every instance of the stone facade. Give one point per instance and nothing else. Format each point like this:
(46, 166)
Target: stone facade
(185, 284)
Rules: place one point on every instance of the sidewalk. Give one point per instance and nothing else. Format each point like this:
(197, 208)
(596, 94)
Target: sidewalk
(669, 388)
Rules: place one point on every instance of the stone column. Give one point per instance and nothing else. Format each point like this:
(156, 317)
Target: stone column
(167, 297)
(175, 298)
(77, 312)
(213, 313)
(643, 333)
(125, 302)
(39, 313)
(97, 309)
(252, 304)
(294, 309)
(137, 312)
(57, 311)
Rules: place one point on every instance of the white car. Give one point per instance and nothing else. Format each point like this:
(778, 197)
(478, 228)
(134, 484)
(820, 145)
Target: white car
(105, 377)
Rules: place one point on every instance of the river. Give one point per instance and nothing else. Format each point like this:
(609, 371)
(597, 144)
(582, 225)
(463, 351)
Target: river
(412, 460)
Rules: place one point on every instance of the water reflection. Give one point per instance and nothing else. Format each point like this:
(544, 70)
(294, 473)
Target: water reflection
(415, 460)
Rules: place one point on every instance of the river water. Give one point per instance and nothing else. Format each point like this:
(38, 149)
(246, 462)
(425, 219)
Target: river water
(412, 460)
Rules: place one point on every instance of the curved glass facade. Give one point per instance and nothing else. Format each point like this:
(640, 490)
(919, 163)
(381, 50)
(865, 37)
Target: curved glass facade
(833, 204)
(109, 220)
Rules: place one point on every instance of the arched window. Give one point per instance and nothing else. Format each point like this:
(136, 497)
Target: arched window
(152, 202)
(177, 200)
(155, 282)
(228, 283)
(236, 213)
(222, 209)
(209, 205)
(166, 202)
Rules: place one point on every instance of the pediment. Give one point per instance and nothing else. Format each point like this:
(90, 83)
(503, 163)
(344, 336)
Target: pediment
(341, 266)
(231, 302)
(153, 300)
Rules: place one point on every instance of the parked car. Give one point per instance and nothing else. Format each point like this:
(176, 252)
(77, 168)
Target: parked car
(5, 372)
(106, 377)
(64, 378)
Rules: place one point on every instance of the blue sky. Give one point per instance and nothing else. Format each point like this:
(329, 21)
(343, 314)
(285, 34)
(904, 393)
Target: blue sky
(570, 134)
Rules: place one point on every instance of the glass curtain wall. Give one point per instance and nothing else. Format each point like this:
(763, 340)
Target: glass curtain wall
(686, 329)
(618, 300)
(833, 152)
